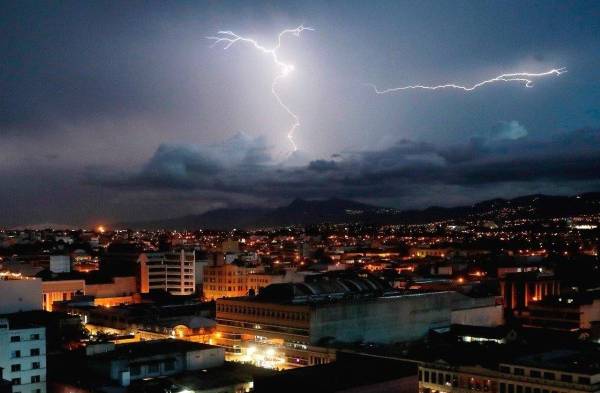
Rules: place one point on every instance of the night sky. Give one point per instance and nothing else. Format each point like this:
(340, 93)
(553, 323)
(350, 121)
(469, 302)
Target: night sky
(114, 111)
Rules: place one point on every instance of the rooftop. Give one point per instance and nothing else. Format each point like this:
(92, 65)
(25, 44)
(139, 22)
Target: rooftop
(583, 362)
(151, 348)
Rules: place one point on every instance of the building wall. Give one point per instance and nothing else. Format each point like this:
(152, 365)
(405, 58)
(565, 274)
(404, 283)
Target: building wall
(225, 280)
(490, 316)
(461, 379)
(119, 287)
(60, 263)
(20, 295)
(589, 313)
(205, 358)
(19, 354)
(58, 291)
(383, 320)
(172, 272)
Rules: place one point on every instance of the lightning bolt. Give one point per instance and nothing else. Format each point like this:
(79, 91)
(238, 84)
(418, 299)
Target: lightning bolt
(526, 78)
(229, 38)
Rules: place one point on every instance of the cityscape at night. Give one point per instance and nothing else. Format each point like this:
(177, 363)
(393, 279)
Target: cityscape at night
(313, 196)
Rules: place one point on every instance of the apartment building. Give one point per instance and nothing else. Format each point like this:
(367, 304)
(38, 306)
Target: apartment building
(23, 356)
(171, 272)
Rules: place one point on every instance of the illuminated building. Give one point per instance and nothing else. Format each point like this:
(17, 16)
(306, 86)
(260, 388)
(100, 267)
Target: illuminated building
(425, 252)
(290, 325)
(60, 290)
(144, 321)
(520, 290)
(171, 272)
(573, 312)
(23, 355)
(117, 291)
(551, 372)
(223, 280)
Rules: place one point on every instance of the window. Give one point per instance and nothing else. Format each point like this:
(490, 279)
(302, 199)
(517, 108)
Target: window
(34, 337)
(420, 375)
(15, 339)
(527, 389)
(511, 388)
(135, 369)
(519, 371)
(36, 391)
(34, 352)
(433, 377)
(549, 375)
(16, 381)
(502, 387)
(504, 369)
(15, 367)
(35, 365)
(35, 379)
(535, 374)
(583, 380)
(566, 378)
(426, 376)
(153, 368)
(519, 389)
(169, 365)
(15, 354)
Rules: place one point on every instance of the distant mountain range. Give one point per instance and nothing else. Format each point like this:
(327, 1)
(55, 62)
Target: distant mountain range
(307, 212)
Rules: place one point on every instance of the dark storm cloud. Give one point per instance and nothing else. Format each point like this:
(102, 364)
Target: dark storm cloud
(114, 109)
(574, 156)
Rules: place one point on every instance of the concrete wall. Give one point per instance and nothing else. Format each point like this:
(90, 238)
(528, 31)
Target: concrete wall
(121, 286)
(205, 358)
(57, 291)
(26, 359)
(383, 320)
(399, 318)
(20, 295)
(60, 263)
(490, 316)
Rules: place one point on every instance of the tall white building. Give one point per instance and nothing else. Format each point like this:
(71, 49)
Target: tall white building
(23, 357)
(173, 272)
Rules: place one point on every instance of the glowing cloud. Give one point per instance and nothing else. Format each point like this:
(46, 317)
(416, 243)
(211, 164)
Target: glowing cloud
(526, 78)
(229, 38)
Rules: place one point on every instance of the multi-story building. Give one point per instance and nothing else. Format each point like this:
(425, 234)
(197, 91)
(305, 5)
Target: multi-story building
(224, 280)
(171, 272)
(292, 324)
(569, 312)
(23, 356)
(231, 280)
(551, 372)
(519, 290)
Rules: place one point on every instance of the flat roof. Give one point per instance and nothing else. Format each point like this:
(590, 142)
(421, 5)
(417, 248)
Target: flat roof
(151, 348)
(580, 362)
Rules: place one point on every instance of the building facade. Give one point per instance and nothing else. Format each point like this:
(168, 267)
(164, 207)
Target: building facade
(552, 372)
(23, 356)
(171, 272)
